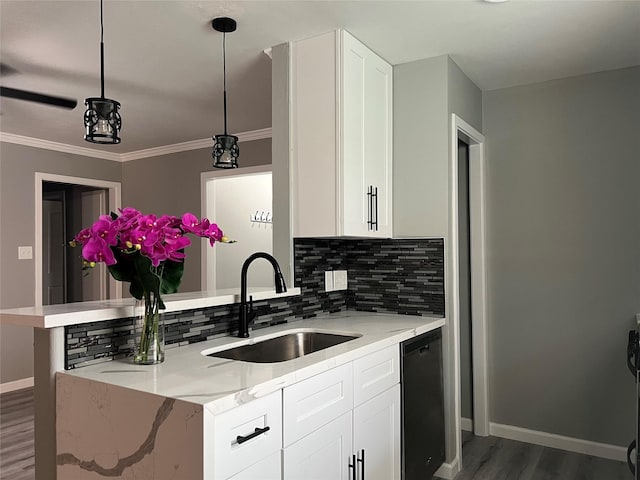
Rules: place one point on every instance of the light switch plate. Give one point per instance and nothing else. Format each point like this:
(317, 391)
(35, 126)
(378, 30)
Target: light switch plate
(25, 253)
(328, 281)
(340, 279)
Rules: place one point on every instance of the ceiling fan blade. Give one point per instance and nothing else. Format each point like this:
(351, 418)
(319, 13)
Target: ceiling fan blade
(69, 103)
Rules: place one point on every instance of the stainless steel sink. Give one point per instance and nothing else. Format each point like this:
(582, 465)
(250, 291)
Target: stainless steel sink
(283, 348)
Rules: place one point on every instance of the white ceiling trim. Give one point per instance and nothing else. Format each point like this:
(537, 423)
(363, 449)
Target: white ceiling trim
(192, 145)
(58, 147)
(135, 155)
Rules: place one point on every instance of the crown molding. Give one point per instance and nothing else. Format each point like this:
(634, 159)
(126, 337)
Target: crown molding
(135, 155)
(58, 147)
(192, 145)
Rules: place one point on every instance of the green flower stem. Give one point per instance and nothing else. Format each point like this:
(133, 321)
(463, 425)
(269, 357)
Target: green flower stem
(150, 335)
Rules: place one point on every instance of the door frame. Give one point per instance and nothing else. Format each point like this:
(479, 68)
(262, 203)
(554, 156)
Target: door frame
(477, 202)
(115, 199)
(207, 192)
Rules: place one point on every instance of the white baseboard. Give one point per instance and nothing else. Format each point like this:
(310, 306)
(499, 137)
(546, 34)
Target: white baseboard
(448, 471)
(561, 442)
(466, 424)
(16, 385)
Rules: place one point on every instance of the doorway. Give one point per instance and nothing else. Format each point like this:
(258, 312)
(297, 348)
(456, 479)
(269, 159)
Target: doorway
(66, 209)
(65, 205)
(467, 280)
(241, 203)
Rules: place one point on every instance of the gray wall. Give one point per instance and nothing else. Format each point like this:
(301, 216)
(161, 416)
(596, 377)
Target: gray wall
(564, 253)
(170, 184)
(167, 184)
(425, 94)
(18, 165)
(420, 148)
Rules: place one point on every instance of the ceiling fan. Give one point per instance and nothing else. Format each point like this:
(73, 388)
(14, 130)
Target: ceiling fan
(29, 96)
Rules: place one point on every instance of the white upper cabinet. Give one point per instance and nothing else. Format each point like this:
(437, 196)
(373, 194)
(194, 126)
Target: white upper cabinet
(341, 138)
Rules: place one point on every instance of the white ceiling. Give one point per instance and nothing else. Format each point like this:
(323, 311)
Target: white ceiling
(163, 61)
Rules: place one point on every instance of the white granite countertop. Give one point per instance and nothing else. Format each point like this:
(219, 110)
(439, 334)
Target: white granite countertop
(50, 316)
(220, 384)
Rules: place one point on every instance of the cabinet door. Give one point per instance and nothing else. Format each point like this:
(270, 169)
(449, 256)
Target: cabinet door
(267, 469)
(376, 436)
(322, 455)
(313, 402)
(366, 140)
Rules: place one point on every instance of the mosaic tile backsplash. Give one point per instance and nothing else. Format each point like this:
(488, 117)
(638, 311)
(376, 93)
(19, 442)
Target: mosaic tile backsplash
(393, 276)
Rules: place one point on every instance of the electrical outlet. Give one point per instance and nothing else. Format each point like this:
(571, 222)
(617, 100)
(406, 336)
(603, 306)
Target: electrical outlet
(328, 281)
(25, 253)
(340, 279)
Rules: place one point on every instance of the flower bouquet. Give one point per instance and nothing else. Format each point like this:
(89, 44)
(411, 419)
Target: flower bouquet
(148, 252)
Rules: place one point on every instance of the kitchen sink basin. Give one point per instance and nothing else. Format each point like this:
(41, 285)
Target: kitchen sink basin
(283, 348)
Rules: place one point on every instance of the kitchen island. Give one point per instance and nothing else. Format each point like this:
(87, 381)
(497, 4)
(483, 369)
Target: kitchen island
(50, 349)
(124, 420)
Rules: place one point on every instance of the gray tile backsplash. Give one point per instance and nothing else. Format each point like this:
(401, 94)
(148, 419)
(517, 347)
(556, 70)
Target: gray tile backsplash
(394, 276)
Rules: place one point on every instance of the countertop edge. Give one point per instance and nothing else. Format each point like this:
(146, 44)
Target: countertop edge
(77, 313)
(232, 398)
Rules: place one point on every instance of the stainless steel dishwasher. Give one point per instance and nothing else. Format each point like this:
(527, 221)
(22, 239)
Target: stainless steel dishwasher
(422, 406)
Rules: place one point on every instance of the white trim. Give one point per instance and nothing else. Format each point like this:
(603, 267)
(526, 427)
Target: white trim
(466, 424)
(16, 385)
(207, 181)
(135, 155)
(115, 197)
(58, 147)
(448, 471)
(561, 442)
(460, 128)
(192, 145)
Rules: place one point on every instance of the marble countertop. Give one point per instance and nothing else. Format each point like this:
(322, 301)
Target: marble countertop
(221, 384)
(50, 316)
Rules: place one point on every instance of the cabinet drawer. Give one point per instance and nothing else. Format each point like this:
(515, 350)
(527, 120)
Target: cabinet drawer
(316, 401)
(375, 373)
(268, 469)
(237, 444)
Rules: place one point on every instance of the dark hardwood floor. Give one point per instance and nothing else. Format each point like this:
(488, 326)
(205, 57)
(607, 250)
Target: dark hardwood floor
(492, 458)
(16, 435)
(484, 458)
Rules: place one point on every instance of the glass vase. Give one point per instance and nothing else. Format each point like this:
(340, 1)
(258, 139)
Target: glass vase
(148, 331)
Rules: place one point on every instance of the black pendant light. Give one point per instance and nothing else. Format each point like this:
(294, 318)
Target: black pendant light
(101, 119)
(225, 148)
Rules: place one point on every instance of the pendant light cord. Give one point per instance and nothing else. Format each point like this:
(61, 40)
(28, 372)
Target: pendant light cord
(224, 75)
(101, 53)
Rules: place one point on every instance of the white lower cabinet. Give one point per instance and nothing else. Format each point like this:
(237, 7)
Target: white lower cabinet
(268, 469)
(243, 437)
(376, 436)
(316, 429)
(325, 443)
(321, 455)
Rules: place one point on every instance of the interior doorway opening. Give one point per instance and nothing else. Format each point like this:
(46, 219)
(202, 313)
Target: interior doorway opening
(241, 203)
(65, 205)
(467, 280)
(66, 209)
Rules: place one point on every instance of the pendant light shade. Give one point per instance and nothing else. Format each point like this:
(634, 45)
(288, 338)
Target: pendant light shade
(225, 148)
(102, 118)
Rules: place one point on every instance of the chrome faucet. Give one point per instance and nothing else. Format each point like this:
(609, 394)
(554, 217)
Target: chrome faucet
(247, 314)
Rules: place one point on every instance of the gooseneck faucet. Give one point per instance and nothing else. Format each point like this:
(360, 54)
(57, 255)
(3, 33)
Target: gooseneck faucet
(247, 314)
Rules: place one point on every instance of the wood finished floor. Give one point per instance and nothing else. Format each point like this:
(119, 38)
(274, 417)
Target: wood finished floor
(488, 458)
(16, 435)
(492, 458)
